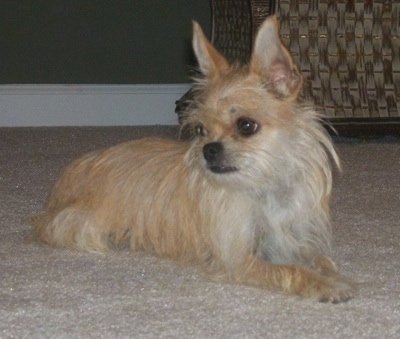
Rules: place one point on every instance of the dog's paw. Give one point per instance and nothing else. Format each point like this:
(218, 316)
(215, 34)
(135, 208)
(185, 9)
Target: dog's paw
(334, 289)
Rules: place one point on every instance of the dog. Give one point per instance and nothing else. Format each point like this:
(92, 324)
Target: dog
(246, 198)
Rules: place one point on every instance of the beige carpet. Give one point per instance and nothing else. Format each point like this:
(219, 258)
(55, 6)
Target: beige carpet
(52, 293)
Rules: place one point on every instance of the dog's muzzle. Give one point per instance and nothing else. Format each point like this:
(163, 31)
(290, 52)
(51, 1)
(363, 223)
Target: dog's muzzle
(215, 156)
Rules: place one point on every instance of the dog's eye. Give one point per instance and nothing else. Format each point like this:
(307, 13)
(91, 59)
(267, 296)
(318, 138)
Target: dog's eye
(200, 130)
(246, 126)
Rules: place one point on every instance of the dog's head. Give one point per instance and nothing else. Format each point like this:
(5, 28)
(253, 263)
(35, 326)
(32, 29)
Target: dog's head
(246, 119)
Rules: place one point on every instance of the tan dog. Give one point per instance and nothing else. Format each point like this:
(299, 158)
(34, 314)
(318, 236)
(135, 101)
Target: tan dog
(247, 198)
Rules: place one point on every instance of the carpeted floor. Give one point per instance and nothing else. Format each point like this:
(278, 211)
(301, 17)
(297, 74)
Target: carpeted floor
(52, 293)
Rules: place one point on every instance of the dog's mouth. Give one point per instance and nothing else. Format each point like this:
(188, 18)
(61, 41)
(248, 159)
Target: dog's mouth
(215, 155)
(222, 169)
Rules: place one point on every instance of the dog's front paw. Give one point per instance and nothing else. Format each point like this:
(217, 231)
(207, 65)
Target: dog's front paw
(333, 289)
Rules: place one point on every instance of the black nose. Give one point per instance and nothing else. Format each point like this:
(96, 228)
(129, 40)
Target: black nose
(213, 151)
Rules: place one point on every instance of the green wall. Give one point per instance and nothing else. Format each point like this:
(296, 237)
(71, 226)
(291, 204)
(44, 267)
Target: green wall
(98, 41)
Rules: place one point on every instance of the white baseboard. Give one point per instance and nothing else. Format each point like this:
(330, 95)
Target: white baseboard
(89, 105)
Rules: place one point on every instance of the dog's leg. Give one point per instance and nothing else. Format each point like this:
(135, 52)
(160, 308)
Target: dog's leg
(70, 227)
(324, 265)
(294, 279)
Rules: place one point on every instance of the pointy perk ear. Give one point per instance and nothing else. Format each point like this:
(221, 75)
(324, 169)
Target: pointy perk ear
(273, 63)
(211, 62)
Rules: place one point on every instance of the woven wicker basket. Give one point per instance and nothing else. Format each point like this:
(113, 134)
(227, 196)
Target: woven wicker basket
(347, 50)
(348, 53)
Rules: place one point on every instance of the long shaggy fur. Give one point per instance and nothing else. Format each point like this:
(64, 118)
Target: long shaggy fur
(247, 198)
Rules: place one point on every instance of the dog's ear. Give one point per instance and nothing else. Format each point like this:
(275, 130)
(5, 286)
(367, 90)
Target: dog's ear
(273, 63)
(211, 62)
